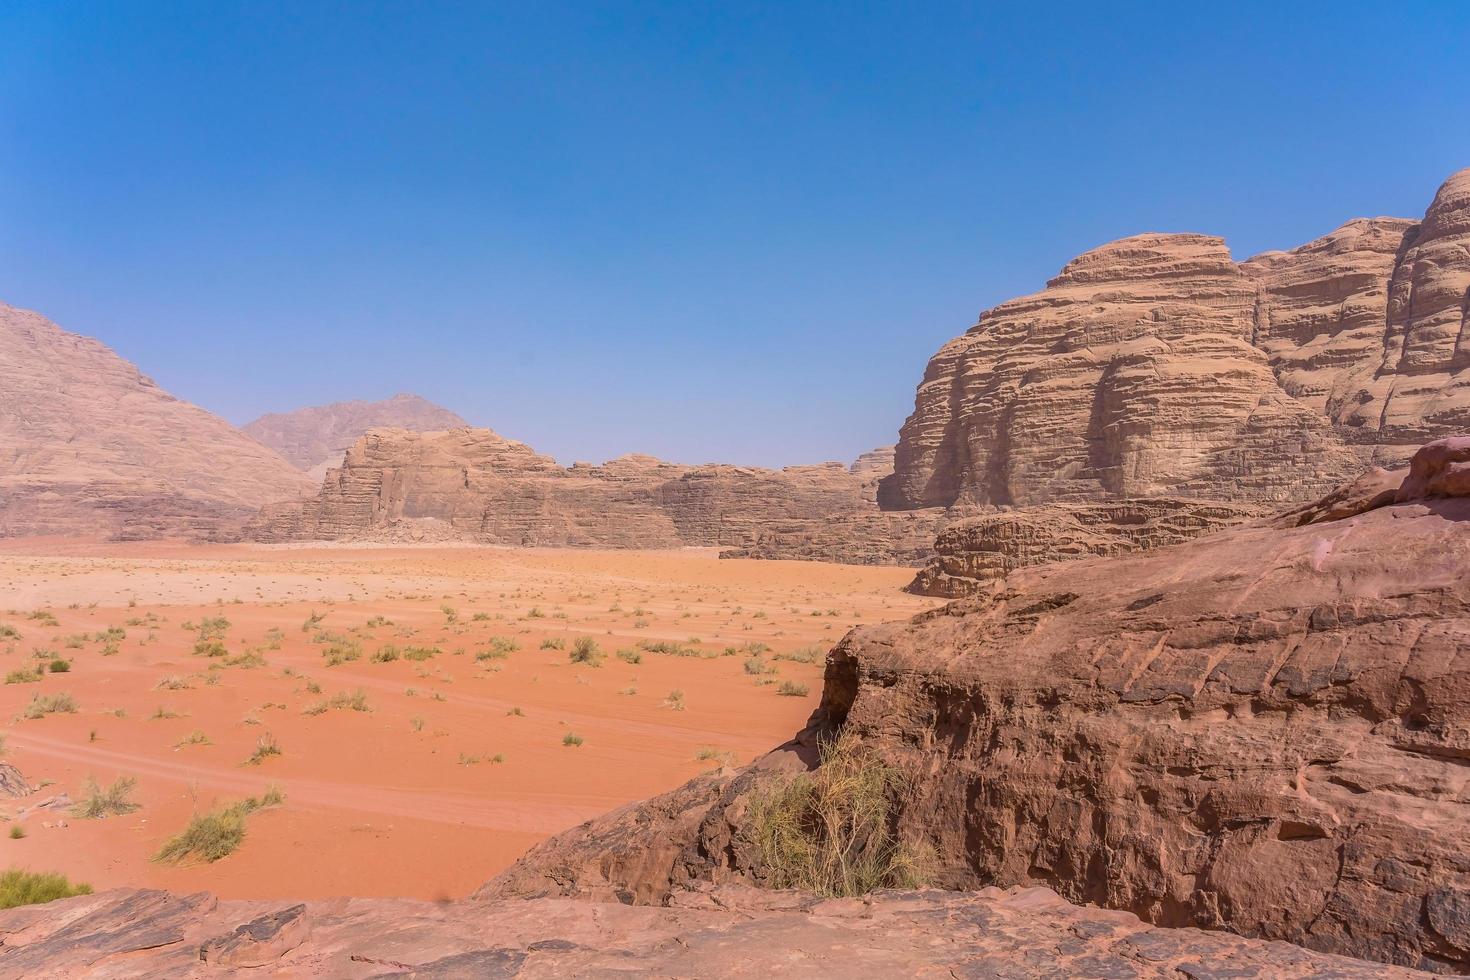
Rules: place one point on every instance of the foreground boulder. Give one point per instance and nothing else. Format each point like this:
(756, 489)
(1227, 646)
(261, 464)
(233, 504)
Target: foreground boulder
(728, 932)
(1266, 730)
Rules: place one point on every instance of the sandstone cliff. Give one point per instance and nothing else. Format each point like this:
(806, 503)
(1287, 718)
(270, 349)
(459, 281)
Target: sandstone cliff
(313, 438)
(483, 487)
(1155, 366)
(1264, 730)
(89, 445)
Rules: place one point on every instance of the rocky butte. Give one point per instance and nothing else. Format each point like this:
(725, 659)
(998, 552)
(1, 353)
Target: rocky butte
(314, 439)
(1157, 389)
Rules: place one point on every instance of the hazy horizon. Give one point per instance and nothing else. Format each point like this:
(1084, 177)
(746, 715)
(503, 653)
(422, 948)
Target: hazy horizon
(702, 234)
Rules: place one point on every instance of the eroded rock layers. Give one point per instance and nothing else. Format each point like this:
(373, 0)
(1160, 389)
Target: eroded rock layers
(1265, 730)
(314, 438)
(1155, 366)
(484, 487)
(89, 445)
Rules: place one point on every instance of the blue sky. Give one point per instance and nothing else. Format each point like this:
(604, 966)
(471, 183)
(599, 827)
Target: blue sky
(710, 231)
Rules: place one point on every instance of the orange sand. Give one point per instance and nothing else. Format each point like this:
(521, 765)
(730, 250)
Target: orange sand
(390, 801)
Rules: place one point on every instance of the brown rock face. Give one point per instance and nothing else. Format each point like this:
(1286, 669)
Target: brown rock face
(313, 438)
(972, 554)
(1139, 371)
(1265, 730)
(1369, 324)
(1131, 375)
(726, 932)
(481, 486)
(88, 445)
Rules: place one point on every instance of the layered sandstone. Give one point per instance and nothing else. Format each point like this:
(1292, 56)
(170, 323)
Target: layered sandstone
(728, 932)
(1131, 375)
(89, 445)
(1156, 366)
(315, 438)
(972, 554)
(1264, 730)
(483, 487)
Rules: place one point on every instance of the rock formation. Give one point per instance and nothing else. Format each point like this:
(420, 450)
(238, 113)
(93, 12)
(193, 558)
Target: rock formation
(485, 487)
(1155, 366)
(727, 932)
(973, 553)
(88, 445)
(1264, 730)
(1131, 375)
(313, 439)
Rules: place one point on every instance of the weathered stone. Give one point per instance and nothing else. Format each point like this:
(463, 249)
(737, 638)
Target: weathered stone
(315, 439)
(88, 445)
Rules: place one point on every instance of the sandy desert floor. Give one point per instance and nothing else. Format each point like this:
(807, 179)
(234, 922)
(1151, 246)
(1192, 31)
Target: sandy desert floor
(181, 659)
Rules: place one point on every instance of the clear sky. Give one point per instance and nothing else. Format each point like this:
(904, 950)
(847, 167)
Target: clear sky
(710, 231)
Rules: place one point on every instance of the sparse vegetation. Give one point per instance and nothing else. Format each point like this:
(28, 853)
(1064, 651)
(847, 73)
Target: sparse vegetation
(17, 832)
(553, 643)
(571, 738)
(675, 700)
(265, 747)
(630, 656)
(113, 801)
(26, 675)
(792, 689)
(50, 704)
(831, 830)
(216, 834)
(196, 737)
(420, 653)
(585, 651)
(386, 654)
(19, 887)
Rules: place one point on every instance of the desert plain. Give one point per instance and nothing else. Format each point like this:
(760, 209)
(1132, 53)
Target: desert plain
(430, 720)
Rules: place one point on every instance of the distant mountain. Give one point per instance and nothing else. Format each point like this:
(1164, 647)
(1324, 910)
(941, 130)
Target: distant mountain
(314, 438)
(90, 445)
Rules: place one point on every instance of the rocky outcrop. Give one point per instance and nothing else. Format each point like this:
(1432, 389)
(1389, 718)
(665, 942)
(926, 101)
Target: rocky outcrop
(1264, 730)
(88, 445)
(972, 554)
(727, 932)
(1155, 366)
(1369, 324)
(484, 487)
(1131, 375)
(315, 438)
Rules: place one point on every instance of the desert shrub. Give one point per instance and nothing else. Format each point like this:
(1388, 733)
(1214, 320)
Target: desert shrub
(315, 708)
(791, 689)
(356, 701)
(802, 655)
(213, 627)
(248, 660)
(196, 737)
(173, 682)
(26, 675)
(831, 830)
(755, 666)
(584, 651)
(553, 643)
(35, 887)
(675, 700)
(8, 632)
(312, 621)
(50, 704)
(43, 617)
(216, 834)
(110, 802)
(571, 738)
(265, 747)
(630, 656)
(341, 652)
(210, 648)
(420, 653)
(17, 832)
(386, 654)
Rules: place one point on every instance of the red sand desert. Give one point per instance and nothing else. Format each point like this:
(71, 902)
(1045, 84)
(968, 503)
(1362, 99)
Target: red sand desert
(459, 763)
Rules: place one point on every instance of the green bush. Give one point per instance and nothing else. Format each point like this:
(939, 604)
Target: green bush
(35, 888)
(110, 802)
(211, 836)
(831, 830)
